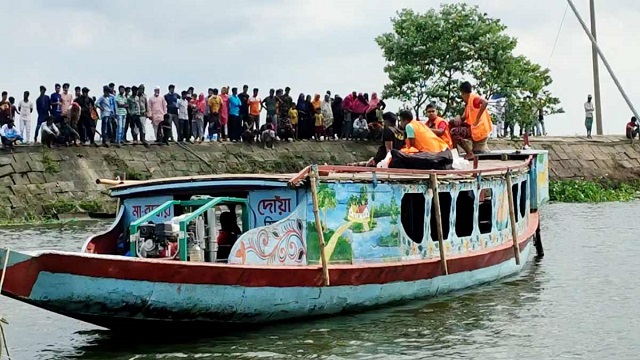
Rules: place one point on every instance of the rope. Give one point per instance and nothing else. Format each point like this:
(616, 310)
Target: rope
(555, 44)
(2, 320)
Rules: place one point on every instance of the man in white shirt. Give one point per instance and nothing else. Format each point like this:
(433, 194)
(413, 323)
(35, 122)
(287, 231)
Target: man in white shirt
(10, 135)
(183, 118)
(25, 108)
(360, 128)
(49, 133)
(588, 111)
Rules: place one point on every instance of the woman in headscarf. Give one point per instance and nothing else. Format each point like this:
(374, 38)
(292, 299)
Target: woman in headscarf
(301, 106)
(197, 127)
(327, 115)
(224, 113)
(316, 103)
(376, 105)
(309, 130)
(359, 106)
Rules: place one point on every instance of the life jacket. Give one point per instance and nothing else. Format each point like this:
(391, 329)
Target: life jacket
(447, 134)
(425, 140)
(483, 129)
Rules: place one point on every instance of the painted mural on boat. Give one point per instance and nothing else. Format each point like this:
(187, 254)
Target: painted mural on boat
(281, 243)
(378, 223)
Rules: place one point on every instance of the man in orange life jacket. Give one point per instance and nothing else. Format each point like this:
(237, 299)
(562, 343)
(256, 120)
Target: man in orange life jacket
(438, 125)
(419, 138)
(475, 123)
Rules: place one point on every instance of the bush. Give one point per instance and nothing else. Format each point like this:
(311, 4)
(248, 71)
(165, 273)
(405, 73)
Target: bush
(594, 191)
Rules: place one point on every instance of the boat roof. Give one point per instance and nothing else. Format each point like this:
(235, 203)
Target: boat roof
(486, 166)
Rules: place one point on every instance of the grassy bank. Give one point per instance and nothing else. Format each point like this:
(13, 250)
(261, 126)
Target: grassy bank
(593, 191)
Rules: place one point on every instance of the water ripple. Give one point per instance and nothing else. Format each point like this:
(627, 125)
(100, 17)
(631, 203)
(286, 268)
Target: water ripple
(579, 302)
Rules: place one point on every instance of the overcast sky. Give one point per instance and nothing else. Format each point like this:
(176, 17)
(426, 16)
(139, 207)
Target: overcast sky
(310, 45)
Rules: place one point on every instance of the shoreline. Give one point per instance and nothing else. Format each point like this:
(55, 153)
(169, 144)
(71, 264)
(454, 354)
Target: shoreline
(572, 191)
(42, 185)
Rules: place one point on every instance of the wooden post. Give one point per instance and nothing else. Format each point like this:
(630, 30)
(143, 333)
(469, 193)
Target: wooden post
(436, 204)
(316, 214)
(124, 178)
(512, 218)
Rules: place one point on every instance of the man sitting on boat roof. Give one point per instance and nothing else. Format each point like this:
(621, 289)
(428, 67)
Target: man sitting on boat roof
(392, 138)
(419, 138)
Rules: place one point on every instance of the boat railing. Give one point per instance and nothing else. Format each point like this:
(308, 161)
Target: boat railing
(324, 169)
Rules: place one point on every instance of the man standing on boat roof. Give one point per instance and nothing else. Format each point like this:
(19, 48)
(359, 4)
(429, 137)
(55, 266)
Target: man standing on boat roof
(474, 125)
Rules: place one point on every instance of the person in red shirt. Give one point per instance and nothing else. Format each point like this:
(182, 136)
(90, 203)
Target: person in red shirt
(633, 129)
(438, 125)
(228, 234)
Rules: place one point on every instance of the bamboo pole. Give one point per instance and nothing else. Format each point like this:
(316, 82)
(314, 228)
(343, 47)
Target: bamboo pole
(436, 204)
(316, 214)
(116, 182)
(512, 218)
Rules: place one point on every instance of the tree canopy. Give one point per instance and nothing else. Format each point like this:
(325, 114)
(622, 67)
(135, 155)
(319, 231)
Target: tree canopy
(428, 56)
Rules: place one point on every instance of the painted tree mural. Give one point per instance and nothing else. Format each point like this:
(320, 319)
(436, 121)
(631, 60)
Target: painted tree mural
(326, 201)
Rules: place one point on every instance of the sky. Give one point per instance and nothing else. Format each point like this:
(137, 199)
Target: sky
(311, 46)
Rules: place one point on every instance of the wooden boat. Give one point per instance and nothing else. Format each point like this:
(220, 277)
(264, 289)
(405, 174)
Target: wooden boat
(329, 240)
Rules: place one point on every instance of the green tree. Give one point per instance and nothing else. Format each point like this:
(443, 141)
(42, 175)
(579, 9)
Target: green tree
(428, 55)
(326, 200)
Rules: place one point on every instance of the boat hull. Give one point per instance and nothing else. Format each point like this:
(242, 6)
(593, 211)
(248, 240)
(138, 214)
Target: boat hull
(102, 291)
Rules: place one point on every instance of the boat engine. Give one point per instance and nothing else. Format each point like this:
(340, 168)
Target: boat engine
(158, 241)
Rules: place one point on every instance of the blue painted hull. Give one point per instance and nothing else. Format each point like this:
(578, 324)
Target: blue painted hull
(120, 304)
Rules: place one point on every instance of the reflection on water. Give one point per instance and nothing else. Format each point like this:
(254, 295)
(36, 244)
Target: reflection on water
(578, 302)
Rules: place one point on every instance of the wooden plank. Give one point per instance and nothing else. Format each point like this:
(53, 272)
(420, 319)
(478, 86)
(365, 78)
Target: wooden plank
(316, 214)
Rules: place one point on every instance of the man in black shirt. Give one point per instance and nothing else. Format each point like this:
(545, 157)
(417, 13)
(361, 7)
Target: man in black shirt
(244, 104)
(392, 137)
(87, 127)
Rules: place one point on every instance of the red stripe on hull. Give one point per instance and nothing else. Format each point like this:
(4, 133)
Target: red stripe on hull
(21, 277)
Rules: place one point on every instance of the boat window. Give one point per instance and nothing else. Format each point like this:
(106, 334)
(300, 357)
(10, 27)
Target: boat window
(465, 206)
(485, 211)
(412, 212)
(523, 199)
(229, 226)
(515, 189)
(445, 212)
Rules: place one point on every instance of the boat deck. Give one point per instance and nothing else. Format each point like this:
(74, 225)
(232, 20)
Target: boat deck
(486, 167)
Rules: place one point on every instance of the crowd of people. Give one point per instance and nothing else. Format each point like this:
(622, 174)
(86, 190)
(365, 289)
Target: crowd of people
(230, 115)
(121, 113)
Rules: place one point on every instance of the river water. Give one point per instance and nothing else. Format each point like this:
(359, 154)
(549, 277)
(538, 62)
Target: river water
(579, 302)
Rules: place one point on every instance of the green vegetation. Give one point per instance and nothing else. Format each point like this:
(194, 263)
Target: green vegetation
(594, 191)
(69, 206)
(392, 210)
(428, 55)
(326, 201)
(391, 240)
(358, 228)
(284, 163)
(50, 166)
(341, 254)
(122, 168)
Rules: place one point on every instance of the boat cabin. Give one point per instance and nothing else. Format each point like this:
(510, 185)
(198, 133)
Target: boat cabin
(366, 215)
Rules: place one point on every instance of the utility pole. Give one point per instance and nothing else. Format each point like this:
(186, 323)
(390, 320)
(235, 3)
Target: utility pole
(604, 60)
(596, 70)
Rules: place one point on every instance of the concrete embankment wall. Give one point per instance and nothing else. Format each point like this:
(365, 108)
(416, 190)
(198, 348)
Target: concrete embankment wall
(37, 182)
